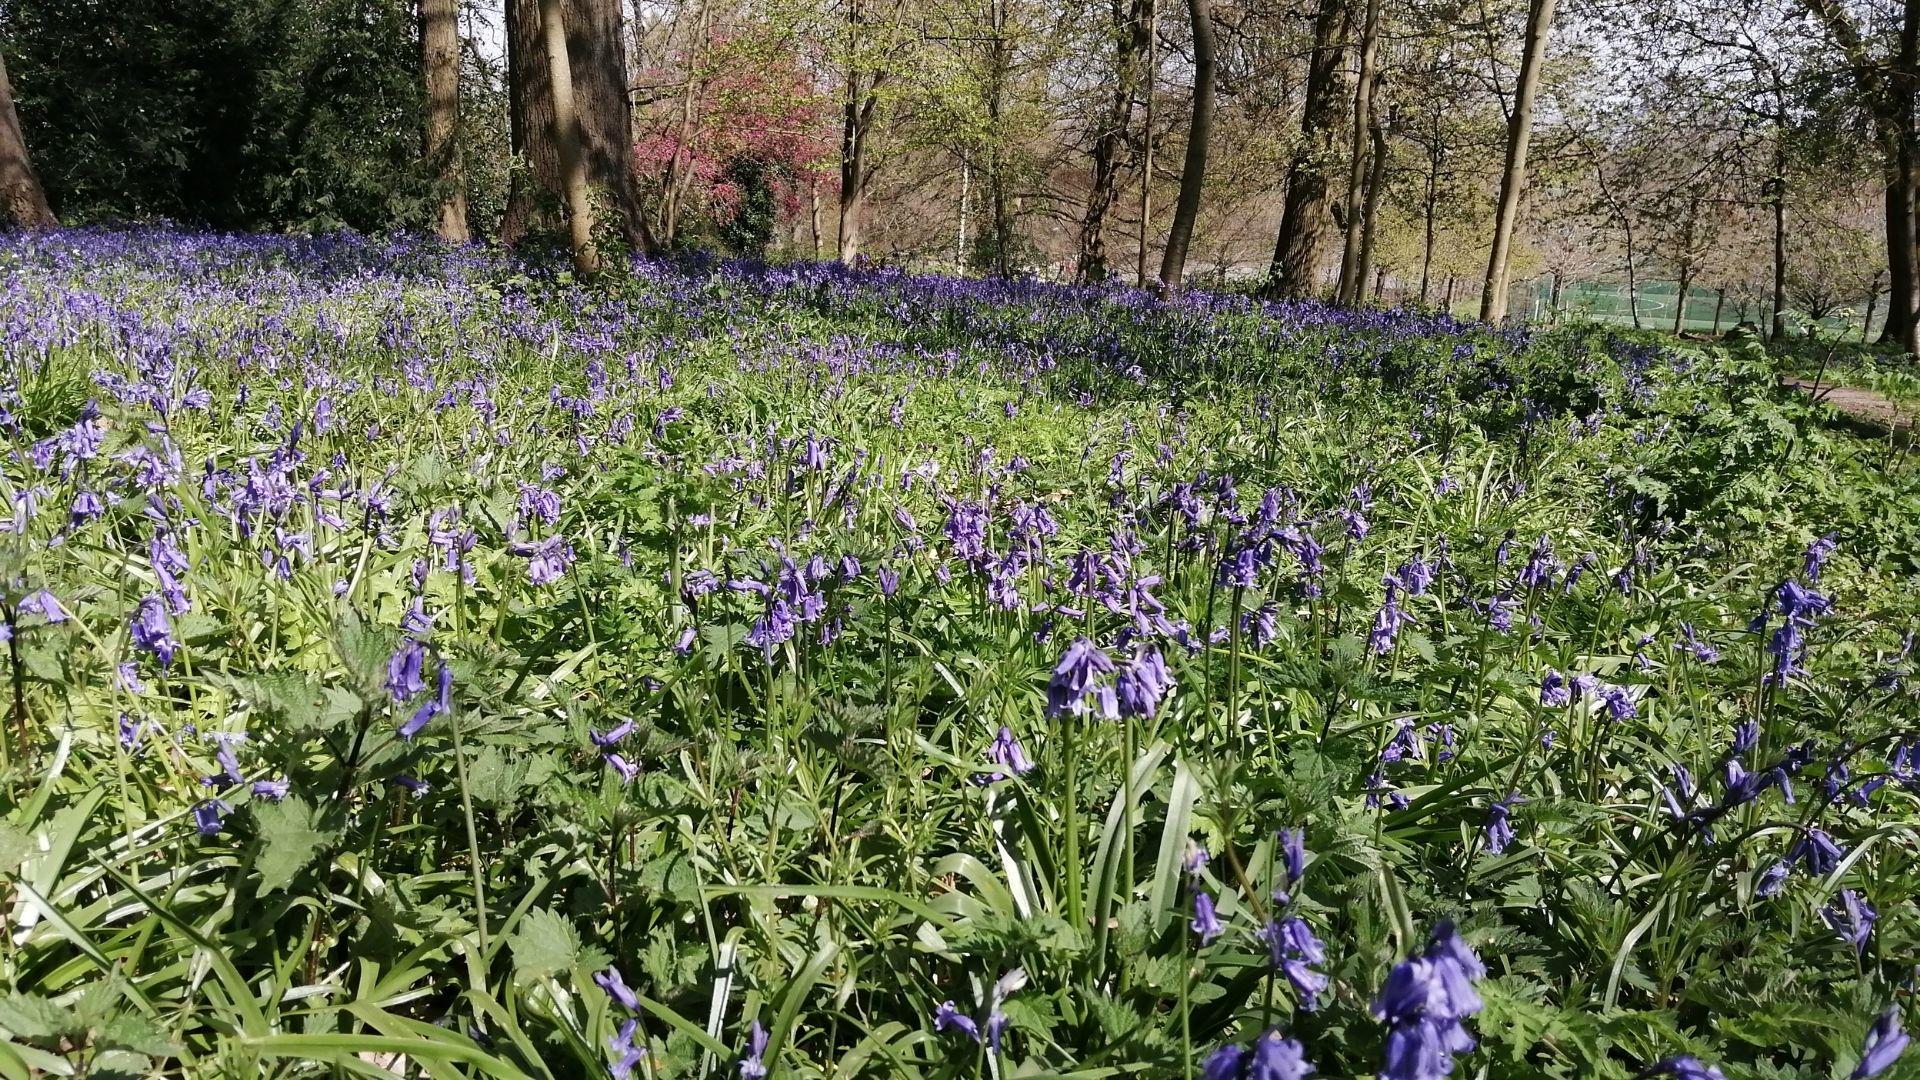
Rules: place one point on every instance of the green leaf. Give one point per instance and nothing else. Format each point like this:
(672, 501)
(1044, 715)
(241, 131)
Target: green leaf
(30, 1016)
(290, 836)
(543, 944)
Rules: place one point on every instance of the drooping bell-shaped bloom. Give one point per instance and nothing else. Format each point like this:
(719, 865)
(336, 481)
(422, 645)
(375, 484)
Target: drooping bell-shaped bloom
(616, 987)
(948, 1017)
(753, 1064)
(1885, 1043)
(1074, 677)
(153, 631)
(1206, 922)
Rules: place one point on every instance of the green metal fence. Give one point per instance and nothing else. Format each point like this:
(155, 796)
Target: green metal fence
(1704, 311)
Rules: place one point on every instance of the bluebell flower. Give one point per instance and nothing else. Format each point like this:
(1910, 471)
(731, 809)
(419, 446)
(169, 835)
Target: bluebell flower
(1205, 922)
(1499, 826)
(1553, 690)
(433, 706)
(209, 816)
(1293, 851)
(1007, 753)
(1073, 678)
(1773, 880)
(270, 789)
(1423, 1002)
(1884, 1045)
(1852, 918)
(616, 987)
(608, 738)
(153, 631)
(1686, 1067)
(1276, 1057)
(1142, 684)
(1224, 1063)
(753, 1065)
(1295, 950)
(1817, 555)
(1818, 850)
(946, 1017)
(628, 770)
(625, 1055)
(406, 670)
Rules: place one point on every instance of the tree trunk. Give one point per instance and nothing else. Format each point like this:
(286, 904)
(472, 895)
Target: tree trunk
(1429, 202)
(440, 68)
(1873, 301)
(1513, 178)
(998, 196)
(23, 202)
(1719, 302)
(1353, 276)
(858, 111)
(566, 141)
(1306, 214)
(1778, 328)
(1680, 302)
(1370, 209)
(1129, 29)
(596, 58)
(1146, 140)
(1446, 304)
(1193, 173)
(1903, 232)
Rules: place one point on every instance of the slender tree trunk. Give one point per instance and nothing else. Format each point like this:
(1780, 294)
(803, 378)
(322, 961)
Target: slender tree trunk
(1129, 29)
(1306, 214)
(1146, 140)
(1429, 202)
(596, 58)
(23, 202)
(440, 69)
(1873, 301)
(813, 213)
(566, 141)
(1193, 173)
(1370, 209)
(1719, 302)
(1778, 328)
(998, 196)
(1446, 304)
(1680, 303)
(1513, 178)
(1353, 277)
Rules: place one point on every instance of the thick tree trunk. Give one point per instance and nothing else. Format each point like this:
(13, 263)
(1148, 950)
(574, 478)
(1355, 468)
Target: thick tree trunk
(858, 109)
(1903, 232)
(1129, 28)
(1513, 178)
(1353, 277)
(1193, 173)
(1306, 215)
(23, 202)
(566, 141)
(596, 58)
(440, 69)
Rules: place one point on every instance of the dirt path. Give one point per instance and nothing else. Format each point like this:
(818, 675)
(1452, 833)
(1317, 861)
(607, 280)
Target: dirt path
(1864, 407)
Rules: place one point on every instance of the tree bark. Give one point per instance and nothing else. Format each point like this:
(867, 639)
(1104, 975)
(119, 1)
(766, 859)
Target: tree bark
(1513, 178)
(566, 141)
(1353, 277)
(1903, 267)
(1370, 208)
(1193, 173)
(1778, 327)
(854, 172)
(1146, 140)
(1306, 215)
(23, 202)
(596, 58)
(1129, 28)
(440, 69)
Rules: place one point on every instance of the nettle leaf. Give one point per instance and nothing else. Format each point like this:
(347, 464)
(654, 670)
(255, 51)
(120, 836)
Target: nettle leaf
(364, 651)
(15, 846)
(544, 944)
(495, 779)
(290, 836)
(130, 1031)
(290, 698)
(30, 1016)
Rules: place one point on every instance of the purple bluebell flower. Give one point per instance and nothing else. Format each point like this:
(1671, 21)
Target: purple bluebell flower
(1686, 1067)
(613, 735)
(1884, 1044)
(42, 603)
(1387, 623)
(1224, 1063)
(1293, 851)
(1817, 555)
(1142, 683)
(1295, 951)
(1073, 678)
(947, 1017)
(1773, 880)
(1423, 1002)
(626, 1056)
(153, 631)
(406, 670)
(274, 790)
(753, 1064)
(1499, 826)
(440, 702)
(628, 770)
(1276, 1057)
(616, 987)
(1553, 690)
(1205, 922)
(210, 816)
(1007, 753)
(1852, 918)
(1818, 850)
